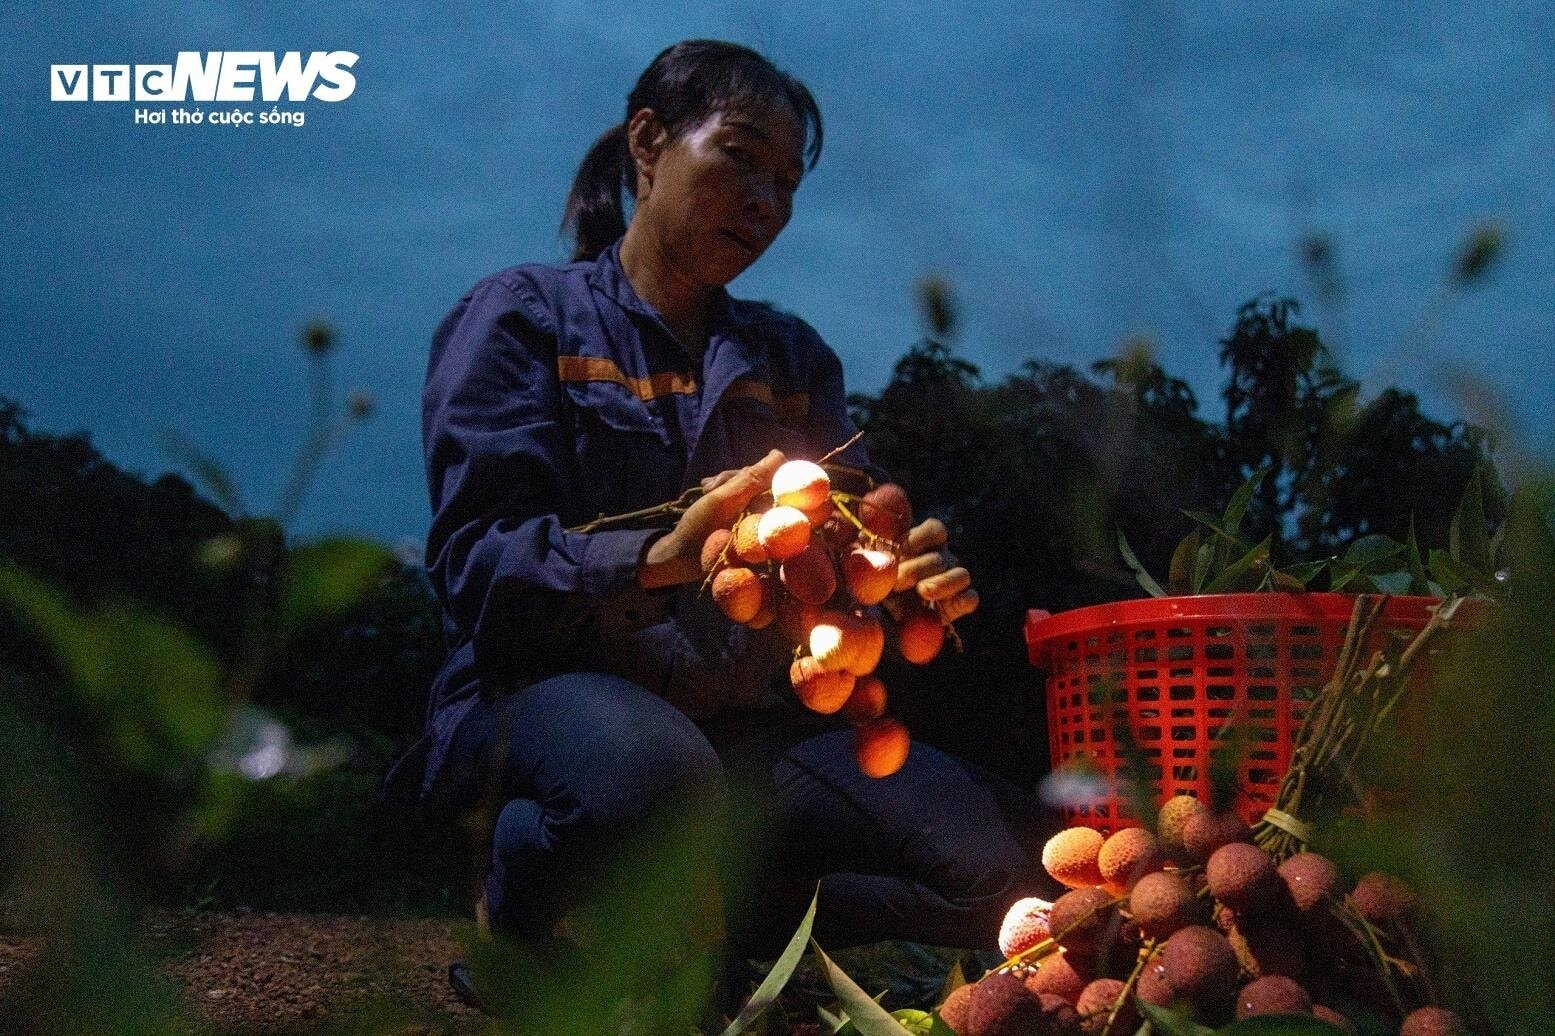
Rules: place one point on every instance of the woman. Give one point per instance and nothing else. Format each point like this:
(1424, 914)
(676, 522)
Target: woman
(588, 682)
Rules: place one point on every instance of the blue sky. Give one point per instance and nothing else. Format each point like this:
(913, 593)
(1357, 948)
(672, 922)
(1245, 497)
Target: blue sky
(1081, 173)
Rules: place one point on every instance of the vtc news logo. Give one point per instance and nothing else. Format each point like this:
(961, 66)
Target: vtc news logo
(212, 76)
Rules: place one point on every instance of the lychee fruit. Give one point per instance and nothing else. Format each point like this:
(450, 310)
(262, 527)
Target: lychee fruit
(1433, 1021)
(713, 548)
(1205, 832)
(821, 690)
(783, 532)
(1080, 919)
(809, 576)
(1161, 903)
(1001, 1005)
(1025, 924)
(867, 701)
(1096, 1003)
(1384, 899)
(953, 1012)
(839, 640)
(1072, 857)
(1153, 988)
(1241, 876)
(745, 541)
(795, 619)
(1174, 816)
(1272, 994)
(869, 574)
(1062, 974)
(802, 484)
(886, 511)
(1313, 882)
(1324, 1013)
(1126, 856)
(768, 611)
(738, 593)
(1199, 964)
(920, 636)
(881, 746)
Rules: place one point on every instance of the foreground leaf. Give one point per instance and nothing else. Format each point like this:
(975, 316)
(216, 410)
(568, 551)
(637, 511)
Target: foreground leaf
(767, 993)
(867, 1016)
(1170, 1023)
(326, 579)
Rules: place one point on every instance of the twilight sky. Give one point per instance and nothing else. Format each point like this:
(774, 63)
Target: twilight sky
(1081, 173)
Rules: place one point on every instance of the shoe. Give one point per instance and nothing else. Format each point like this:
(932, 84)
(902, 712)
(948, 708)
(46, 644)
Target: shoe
(464, 988)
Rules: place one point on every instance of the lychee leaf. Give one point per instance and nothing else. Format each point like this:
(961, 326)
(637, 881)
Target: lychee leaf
(1236, 510)
(767, 993)
(1167, 1022)
(867, 1016)
(1231, 578)
(1180, 579)
(1150, 586)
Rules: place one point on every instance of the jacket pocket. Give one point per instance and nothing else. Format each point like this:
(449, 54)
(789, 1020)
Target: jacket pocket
(625, 454)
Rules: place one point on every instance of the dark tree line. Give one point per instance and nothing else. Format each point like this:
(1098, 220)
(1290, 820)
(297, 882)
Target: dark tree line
(1033, 475)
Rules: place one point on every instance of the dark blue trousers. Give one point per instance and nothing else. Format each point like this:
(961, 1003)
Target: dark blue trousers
(585, 770)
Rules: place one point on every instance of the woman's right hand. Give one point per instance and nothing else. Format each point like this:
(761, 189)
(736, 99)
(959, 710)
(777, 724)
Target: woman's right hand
(676, 557)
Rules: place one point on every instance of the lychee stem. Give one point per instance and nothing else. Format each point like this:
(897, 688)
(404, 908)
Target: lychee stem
(1145, 953)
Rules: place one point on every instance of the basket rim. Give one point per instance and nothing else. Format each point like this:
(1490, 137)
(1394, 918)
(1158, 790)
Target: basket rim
(1041, 628)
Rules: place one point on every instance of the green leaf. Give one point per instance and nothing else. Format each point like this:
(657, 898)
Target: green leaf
(1368, 550)
(1180, 579)
(1286, 582)
(53, 620)
(1151, 587)
(1280, 1025)
(154, 687)
(1202, 565)
(1392, 582)
(326, 579)
(1445, 570)
(1228, 580)
(1305, 571)
(206, 470)
(1170, 1023)
(870, 1018)
(919, 1023)
(1214, 525)
(1236, 510)
(767, 993)
(941, 1028)
(1342, 575)
(1467, 540)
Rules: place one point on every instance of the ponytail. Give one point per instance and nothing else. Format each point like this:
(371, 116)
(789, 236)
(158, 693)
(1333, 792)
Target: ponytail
(683, 86)
(595, 212)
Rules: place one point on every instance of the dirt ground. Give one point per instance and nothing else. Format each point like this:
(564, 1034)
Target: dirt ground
(263, 972)
(257, 972)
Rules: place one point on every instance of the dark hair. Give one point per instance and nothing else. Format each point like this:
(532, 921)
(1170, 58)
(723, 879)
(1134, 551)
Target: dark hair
(684, 85)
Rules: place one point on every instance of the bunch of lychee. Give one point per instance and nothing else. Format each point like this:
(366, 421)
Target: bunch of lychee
(817, 564)
(1193, 915)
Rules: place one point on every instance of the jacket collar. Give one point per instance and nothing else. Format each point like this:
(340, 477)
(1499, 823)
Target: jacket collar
(610, 278)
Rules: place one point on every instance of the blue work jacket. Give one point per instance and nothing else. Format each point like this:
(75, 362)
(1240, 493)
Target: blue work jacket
(554, 395)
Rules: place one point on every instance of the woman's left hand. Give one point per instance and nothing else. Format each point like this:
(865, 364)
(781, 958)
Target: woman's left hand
(935, 573)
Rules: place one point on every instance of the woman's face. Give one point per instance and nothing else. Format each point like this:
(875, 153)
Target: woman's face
(720, 193)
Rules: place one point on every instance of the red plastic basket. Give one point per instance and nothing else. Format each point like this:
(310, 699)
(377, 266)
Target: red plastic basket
(1178, 670)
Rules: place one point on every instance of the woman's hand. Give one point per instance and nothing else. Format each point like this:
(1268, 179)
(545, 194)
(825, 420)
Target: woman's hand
(935, 573)
(676, 557)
